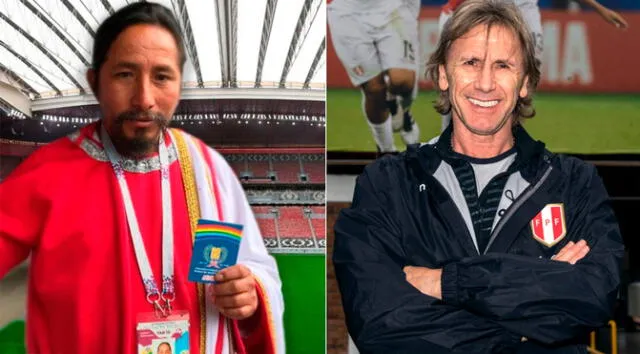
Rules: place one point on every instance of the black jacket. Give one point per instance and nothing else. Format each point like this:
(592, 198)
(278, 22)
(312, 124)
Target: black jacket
(402, 214)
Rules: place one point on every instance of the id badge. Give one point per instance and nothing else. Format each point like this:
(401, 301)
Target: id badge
(169, 335)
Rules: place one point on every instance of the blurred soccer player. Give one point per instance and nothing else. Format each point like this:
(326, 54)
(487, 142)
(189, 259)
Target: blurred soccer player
(376, 42)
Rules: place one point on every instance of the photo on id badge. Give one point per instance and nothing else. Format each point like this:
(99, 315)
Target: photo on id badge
(163, 336)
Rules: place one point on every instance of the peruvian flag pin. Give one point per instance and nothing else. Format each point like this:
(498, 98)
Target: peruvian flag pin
(549, 225)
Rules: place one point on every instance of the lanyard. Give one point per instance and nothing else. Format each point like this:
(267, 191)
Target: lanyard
(154, 297)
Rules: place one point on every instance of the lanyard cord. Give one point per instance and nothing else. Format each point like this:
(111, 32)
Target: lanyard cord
(154, 297)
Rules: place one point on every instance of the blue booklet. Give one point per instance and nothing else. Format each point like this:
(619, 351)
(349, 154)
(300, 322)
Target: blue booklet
(216, 247)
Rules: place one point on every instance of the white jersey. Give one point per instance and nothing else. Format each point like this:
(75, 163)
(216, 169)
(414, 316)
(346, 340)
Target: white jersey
(368, 6)
(372, 36)
(520, 3)
(528, 8)
(413, 6)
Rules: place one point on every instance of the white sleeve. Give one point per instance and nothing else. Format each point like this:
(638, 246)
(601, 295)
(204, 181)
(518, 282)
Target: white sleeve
(253, 253)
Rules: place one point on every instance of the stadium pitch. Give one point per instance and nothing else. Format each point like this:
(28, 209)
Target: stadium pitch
(567, 123)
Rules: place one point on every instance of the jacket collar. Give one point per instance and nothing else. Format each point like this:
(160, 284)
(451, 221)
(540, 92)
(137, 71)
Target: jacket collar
(526, 147)
(529, 150)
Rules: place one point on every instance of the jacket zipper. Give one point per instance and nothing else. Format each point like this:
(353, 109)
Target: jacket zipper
(458, 212)
(516, 205)
(437, 183)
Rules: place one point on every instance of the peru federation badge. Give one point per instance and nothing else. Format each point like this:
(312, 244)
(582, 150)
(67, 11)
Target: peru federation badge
(549, 225)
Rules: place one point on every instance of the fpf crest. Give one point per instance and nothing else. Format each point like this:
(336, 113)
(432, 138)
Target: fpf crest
(549, 226)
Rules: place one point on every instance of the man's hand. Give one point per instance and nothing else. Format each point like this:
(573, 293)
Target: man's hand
(426, 280)
(572, 252)
(612, 17)
(234, 292)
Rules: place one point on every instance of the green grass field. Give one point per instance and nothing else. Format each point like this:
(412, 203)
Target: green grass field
(567, 123)
(303, 285)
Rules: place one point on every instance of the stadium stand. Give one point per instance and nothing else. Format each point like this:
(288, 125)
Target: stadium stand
(315, 171)
(275, 165)
(292, 222)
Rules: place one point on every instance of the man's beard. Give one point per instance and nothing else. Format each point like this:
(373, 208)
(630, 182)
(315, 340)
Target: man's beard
(140, 145)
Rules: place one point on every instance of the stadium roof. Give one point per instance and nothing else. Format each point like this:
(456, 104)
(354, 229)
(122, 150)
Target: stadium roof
(46, 45)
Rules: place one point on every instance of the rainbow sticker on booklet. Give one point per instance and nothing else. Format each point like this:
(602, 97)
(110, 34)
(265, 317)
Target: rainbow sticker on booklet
(216, 247)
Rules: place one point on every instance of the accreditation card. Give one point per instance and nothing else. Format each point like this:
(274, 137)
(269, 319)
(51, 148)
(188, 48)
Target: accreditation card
(163, 335)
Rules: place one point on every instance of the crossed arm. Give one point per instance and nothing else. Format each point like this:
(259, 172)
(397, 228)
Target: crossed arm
(429, 282)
